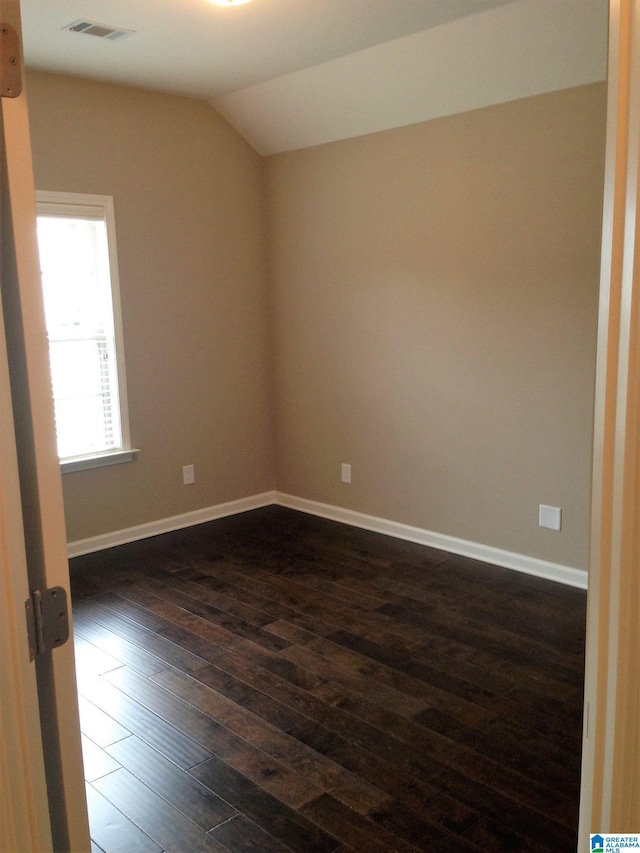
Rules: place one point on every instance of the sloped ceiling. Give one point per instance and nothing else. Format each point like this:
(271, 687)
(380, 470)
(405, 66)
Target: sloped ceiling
(294, 73)
(500, 55)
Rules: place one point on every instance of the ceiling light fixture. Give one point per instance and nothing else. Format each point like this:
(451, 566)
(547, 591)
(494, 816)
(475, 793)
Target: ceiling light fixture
(229, 2)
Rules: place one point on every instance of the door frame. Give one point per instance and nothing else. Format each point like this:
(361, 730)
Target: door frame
(610, 792)
(37, 497)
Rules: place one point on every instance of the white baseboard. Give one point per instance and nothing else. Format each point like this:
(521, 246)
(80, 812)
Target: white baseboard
(485, 553)
(166, 525)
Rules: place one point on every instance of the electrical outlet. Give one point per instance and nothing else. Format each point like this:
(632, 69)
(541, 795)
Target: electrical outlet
(188, 475)
(346, 473)
(550, 517)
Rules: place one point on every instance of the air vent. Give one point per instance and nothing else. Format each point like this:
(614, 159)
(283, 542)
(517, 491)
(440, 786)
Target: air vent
(103, 31)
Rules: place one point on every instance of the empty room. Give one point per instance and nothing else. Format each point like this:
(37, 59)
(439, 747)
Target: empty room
(334, 269)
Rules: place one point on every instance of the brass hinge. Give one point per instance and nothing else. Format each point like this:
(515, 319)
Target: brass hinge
(47, 620)
(10, 77)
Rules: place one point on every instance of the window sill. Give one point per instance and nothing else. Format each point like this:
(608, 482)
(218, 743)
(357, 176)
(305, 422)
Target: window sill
(98, 460)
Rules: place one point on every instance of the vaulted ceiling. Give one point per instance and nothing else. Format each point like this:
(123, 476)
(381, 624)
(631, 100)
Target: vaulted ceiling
(294, 73)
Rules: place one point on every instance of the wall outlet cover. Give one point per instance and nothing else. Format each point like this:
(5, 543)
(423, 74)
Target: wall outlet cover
(550, 517)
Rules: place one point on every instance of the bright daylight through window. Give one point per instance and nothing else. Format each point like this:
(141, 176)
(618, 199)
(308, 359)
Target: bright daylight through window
(76, 238)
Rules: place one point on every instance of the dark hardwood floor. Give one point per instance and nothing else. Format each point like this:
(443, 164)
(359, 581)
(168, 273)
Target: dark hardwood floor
(275, 682)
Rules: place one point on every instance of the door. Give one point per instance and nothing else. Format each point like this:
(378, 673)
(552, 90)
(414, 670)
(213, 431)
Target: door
(24, 813)
(41, 780)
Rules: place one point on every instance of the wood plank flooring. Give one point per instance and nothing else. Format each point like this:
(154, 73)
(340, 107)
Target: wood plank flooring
(275, 682)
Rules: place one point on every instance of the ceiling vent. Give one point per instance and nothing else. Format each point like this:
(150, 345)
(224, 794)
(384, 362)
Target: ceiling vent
(103, 31)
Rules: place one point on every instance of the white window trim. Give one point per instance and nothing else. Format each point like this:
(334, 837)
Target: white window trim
(98, 207)
(97, 460)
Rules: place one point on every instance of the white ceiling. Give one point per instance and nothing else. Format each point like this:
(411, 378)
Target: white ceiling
(293, 73)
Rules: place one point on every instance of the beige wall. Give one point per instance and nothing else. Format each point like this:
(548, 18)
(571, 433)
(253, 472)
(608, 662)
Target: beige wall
(433, 295)
(190, 230)
(435, 304)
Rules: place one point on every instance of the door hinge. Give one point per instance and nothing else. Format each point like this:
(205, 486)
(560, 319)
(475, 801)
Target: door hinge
(47, 620)
(10, 74)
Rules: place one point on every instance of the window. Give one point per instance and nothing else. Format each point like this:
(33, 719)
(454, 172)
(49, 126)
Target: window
(76, 239)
